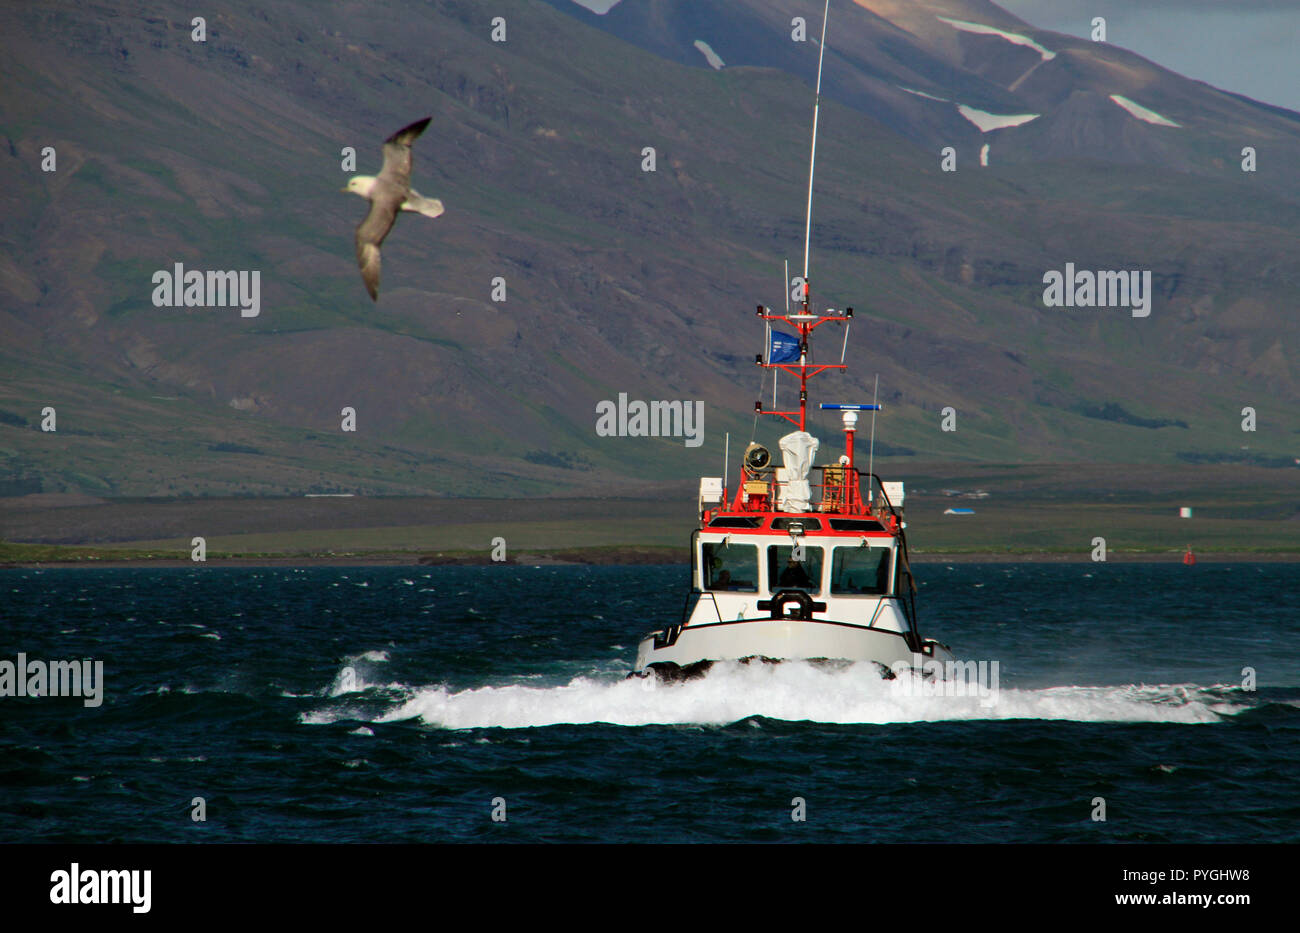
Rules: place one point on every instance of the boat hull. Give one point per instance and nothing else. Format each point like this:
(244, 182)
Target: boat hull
(781, 640)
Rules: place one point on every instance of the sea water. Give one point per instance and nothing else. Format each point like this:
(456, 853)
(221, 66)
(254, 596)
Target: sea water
(411, 704)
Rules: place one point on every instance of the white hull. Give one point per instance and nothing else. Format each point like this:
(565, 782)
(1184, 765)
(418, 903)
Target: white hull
(746, 605)
(782, 640)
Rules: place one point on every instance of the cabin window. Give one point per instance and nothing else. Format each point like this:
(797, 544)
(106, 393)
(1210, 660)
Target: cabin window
(786, 573)
(855, 524)
(856, 571)
(735, 521)
(806, 524)
(730, 567)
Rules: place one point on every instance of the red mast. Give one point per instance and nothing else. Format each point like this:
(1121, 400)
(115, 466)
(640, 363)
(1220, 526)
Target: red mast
(805, 322)
(842, 493)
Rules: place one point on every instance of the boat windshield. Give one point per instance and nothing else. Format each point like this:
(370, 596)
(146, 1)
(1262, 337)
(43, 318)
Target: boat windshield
(730, 566)
(860, 570)
(786, 573)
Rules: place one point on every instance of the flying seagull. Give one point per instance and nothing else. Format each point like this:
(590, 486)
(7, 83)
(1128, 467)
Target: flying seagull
(388, 194)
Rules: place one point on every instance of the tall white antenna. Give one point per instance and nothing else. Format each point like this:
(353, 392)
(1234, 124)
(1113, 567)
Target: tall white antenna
(812, 163)
(871, 451)
(787, 286)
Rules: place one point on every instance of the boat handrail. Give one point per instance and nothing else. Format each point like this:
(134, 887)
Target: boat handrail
(839, 493)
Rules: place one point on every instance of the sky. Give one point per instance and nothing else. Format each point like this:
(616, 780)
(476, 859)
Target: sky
(1250, 47)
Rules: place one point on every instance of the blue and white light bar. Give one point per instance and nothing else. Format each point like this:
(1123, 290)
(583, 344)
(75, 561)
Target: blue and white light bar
(838, 407)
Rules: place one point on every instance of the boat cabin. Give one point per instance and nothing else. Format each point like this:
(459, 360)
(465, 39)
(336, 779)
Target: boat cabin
(839, 557)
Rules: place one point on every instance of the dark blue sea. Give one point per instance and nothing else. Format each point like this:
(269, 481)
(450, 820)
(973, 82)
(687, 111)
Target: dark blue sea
(404, 704)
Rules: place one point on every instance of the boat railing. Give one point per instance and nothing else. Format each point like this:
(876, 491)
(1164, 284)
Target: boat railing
(693, 598)
(838, 493)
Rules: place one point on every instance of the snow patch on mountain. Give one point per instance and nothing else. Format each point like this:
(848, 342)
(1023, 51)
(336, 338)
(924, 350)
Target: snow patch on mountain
(987, 122)
(599, 7)
(1142, 113)
(991, 31)
(923, 94)
(709, 55)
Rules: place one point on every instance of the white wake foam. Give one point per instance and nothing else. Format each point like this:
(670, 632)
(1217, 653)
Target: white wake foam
(352, 676)
(792, 691)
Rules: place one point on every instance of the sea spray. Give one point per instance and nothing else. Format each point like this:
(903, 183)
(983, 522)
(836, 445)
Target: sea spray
(792, 691)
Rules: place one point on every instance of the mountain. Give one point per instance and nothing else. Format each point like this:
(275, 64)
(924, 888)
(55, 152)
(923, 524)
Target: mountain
(914, 64)
(226, 154)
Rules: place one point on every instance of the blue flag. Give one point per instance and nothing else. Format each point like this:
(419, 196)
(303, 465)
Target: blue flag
(784, 348)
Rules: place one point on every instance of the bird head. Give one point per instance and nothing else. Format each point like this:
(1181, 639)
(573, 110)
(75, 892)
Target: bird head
(360, 185)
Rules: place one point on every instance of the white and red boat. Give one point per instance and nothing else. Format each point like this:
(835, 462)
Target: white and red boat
(785, 568)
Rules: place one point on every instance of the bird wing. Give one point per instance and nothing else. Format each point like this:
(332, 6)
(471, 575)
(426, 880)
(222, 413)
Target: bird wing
(397, 154)
(370, 234)
(429, 207)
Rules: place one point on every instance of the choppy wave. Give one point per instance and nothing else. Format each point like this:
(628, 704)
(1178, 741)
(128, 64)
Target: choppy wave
(357, 674)
(792, 691)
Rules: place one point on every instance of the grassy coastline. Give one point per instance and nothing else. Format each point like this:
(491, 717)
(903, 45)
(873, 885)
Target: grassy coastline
(1020, 514)
(49, 556)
